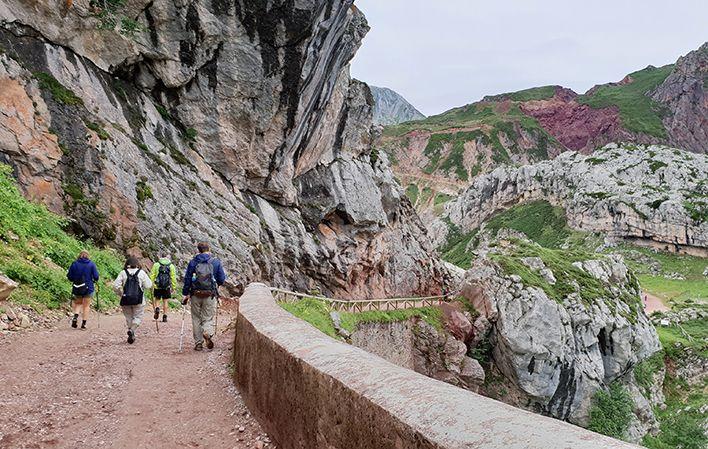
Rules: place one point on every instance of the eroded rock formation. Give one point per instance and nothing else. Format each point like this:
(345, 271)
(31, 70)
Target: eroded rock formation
(561, 330)
(649, 194)
(234, 122)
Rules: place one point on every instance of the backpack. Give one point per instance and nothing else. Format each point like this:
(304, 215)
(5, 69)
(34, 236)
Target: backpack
(164, 280)
(132, 293)
(80, 290)
(203, 283)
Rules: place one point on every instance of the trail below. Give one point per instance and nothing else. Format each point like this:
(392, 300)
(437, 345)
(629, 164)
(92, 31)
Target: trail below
(653, 304)
(67, 388)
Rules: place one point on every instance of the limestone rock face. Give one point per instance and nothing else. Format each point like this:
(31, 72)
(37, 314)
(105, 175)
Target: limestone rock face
(648, 194)
(231, 122)
(391, 108)
(684, 93)
(557, 353)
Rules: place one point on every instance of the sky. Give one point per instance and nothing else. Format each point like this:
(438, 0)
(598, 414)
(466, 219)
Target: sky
(440, 54)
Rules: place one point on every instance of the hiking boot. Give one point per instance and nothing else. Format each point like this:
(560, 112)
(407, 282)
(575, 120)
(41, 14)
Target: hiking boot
(164, 318)
(157, 314)
(83, 325)
(198, 347)
(131, 336)
(74, 321)
(209, 342)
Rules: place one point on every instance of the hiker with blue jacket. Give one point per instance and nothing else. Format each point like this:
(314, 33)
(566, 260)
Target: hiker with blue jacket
(82, 274)
(131, 284)
(203, 276)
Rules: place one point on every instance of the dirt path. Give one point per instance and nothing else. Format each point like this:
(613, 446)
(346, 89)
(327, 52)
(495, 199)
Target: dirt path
(66, 388)
(653, 304)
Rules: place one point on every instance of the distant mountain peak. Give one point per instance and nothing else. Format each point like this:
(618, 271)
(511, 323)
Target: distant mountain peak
(390, 108)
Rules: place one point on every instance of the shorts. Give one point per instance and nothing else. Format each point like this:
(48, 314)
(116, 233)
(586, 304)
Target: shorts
(81, 298)
(160, 293)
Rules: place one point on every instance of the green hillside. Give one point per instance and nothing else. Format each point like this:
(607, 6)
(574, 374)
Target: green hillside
(638, 112)
(36, 251)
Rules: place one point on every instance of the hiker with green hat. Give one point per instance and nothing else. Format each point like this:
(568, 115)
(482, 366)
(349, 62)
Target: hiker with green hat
(131, 284)
(164, 280)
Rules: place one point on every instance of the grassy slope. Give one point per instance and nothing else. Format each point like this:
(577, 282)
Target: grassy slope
(36, 252)
(638, 112)
(317, 313)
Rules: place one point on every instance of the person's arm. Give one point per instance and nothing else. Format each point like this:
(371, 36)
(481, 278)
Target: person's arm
(118, 283)
(94, 272)
(154, 271)
(219, 274)
(173, 277)
(188, 279)
(70, 273)
(145, 281)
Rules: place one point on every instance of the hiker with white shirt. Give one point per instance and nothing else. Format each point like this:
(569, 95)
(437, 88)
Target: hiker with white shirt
(131, 284)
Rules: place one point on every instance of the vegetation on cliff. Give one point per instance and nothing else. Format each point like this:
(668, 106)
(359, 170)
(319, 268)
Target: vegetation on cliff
(638, 112)
(36, 251)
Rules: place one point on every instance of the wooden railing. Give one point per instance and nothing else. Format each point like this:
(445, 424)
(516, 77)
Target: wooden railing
(363, 305)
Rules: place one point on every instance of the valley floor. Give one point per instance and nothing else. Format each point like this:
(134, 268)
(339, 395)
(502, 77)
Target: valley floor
(66, 388)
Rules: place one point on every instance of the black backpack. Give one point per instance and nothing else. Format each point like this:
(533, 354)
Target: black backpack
(204, 285)
(132, 293)
(164, 280)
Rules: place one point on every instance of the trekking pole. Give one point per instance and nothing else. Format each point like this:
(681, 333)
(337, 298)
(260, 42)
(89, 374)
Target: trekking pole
(216, 307)
(181, 332)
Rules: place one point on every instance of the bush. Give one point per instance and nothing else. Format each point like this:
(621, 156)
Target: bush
(36, 251)
(611, 411)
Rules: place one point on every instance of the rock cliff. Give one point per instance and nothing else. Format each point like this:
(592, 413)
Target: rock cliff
(657, 105)
(652, 195)
(390, 108)
(160, 123)
(561, 326)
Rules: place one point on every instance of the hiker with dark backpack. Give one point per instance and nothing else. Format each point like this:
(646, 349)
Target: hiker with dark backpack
(164, 280)
(82, 274)
(131, 285)
(201, 280)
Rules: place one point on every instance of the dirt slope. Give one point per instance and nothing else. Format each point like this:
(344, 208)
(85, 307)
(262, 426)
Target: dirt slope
(66, 388)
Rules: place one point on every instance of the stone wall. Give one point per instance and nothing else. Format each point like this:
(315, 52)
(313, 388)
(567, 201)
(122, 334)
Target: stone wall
(311, 391)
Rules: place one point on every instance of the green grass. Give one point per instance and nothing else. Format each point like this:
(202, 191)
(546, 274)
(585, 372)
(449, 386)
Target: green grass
(678, 293)
(412, 193)
(675, 342)
(611, 412)
(645, 370)
(492, 123)
(569, 278)
(455, 248)
(60, 93)
(681, 421)
(638, 112)
(442, 198)
(697, 210)
(534, 93)
(99, 130)
(36, 251)
(317, 313)
(539, 220)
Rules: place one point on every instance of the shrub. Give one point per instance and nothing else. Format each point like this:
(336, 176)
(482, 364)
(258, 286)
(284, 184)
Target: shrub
(99, 130)
(611, 411)
(60, 93)
(143, 191)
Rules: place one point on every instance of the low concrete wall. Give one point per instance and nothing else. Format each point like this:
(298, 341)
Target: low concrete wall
(310, 391)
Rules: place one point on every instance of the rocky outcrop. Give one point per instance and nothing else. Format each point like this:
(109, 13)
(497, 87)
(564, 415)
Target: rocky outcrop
(648, 194)
(390, 108)
(416, 345)
(684, 94)
(7, 286)
(558, 338)
(235, 123)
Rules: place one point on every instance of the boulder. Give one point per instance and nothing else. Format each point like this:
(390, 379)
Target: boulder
(456, 322)
(7, 286)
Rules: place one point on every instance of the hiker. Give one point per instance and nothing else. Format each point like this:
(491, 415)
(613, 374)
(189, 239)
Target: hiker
(131, 284)
(164, 279)
(203, 276)
(82, 274)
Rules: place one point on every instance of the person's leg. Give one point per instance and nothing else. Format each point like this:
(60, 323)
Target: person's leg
(86, 311)
(76, 304)
(208, 314)
(196, 309)
(165, 305)
(138, 312)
